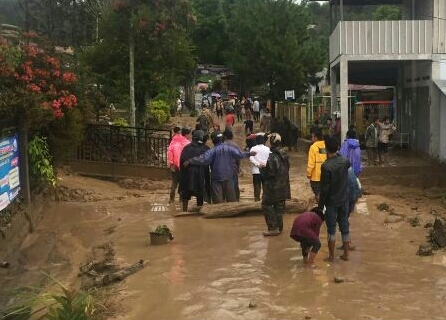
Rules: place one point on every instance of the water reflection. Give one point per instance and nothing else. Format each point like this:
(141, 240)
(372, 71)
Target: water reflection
(226, 269)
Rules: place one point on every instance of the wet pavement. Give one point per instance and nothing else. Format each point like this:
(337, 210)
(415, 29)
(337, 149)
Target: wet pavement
(226, 269)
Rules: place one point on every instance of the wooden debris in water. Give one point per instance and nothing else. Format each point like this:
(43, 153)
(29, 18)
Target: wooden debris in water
(102, 270)
(438, 233)
(425, 250)
(232, 209)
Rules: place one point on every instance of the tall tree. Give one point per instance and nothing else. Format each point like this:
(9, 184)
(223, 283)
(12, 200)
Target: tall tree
(387, 12)
(270, 44)
(9, 12)
(162, 51)
(35, 87)
(210, 34)
(65, 22)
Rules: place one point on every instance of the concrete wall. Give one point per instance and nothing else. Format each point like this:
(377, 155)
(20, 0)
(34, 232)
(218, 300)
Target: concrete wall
(439, 26)
(435, 122)
(116, 170)
(416, 117)
(417, 73)
(442, 128)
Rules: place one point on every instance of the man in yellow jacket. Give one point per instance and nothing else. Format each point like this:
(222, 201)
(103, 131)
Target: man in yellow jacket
(316, 156)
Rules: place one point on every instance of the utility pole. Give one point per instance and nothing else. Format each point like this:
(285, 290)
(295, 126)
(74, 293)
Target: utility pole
(132, 75)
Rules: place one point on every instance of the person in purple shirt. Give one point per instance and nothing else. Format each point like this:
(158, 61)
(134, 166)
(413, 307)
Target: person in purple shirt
(306, 228)
(351, 150)
(223, 159)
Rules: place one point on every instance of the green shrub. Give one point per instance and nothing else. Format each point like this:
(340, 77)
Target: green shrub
(70, 304)
(40, 162)
(158, 112)
(65, 134)
(118, 121)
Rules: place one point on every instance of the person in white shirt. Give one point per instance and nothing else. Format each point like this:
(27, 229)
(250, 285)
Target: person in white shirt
(179, 107)
(386, 128)
(256, 110)
(259, 160)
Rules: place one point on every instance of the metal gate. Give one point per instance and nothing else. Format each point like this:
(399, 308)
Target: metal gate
(296, 113)
(364, 112)
(124, 145)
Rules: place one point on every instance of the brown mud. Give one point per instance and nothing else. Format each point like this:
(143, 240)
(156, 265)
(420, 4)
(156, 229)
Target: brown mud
(226, 269)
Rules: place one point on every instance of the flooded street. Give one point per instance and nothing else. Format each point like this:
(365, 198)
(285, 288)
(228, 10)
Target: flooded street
(226, 269)
(217, 268)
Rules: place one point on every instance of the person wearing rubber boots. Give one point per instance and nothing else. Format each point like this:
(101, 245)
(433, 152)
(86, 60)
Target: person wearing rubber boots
(276, 187)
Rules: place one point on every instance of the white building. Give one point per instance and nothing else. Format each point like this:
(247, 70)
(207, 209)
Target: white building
(408, 54)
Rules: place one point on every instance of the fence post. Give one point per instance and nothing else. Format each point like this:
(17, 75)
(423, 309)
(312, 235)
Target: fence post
(24, 162)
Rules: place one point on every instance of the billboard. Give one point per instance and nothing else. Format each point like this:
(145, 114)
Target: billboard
(9, 170)
(289, 94)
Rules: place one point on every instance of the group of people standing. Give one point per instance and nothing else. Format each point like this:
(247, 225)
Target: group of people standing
(333, 170)
(211, 174)
(377, 140)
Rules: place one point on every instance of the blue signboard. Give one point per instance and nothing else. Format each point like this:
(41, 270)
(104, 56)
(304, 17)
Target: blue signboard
(9, 170)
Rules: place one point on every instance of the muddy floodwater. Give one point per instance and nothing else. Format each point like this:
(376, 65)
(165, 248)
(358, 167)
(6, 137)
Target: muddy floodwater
(226, 269)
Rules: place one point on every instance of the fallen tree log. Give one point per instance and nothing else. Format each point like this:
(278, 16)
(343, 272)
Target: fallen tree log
(194, 211)
(232, 209)
(104, 280)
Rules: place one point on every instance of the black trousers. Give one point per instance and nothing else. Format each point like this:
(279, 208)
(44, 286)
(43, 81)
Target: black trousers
(175, 181)
(257, 182)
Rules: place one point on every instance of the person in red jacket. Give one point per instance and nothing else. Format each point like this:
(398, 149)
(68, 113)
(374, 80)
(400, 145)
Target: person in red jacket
(305, 230)
(229, 120)
(180, 139)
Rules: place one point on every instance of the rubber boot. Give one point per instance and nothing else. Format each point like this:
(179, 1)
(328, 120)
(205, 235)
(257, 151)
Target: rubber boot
(185, 202)
(280, 210)
(346, 247)
(268, 212)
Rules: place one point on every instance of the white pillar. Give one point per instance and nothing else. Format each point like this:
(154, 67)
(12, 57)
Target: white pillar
(343, 92)
(334, 91)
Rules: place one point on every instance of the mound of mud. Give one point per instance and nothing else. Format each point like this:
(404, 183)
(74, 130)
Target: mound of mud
(143, 184)
(64, 193)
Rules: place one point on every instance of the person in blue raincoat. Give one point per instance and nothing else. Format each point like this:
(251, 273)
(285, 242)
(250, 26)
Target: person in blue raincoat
(350, 149)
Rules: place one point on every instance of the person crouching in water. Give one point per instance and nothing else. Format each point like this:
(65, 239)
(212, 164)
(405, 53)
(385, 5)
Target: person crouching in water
(306, 228)
(276, 186)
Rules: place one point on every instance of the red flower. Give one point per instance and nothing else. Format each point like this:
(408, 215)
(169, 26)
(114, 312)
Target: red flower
(69, 77)
(34, 88)
(39, 75)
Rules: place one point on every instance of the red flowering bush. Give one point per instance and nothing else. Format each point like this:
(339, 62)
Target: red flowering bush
(35, 85)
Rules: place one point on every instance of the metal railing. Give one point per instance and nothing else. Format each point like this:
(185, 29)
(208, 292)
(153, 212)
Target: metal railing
(295, 112)
(124, 145)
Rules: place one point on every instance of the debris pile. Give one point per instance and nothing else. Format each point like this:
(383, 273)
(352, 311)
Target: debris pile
(436, 238)
(101, 270)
